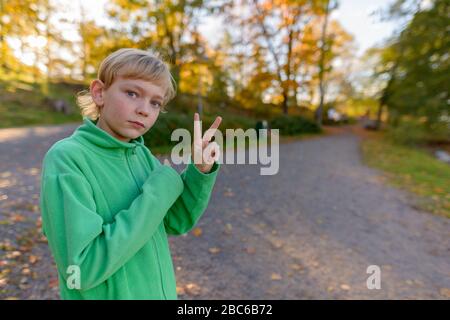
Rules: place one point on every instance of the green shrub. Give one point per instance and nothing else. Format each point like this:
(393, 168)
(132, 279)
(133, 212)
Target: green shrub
(412, 132)
(160, 133)
(292, 125)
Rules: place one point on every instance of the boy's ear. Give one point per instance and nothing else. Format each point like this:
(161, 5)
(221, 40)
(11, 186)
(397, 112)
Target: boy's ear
(96, 89)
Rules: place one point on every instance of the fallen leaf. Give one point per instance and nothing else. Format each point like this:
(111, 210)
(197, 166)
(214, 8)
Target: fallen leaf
(197, 232)
(33, 259)
(53, 283)
(275, 276)
(277, 243)
(15, 217)
(180, 290)
(228, 228)
(345, 287)
(439, 190)
(214, 250)
(192, 289)
(228, 193)
(250, 250)
(3, 282)
(39, 222)
(13, 254)
(445, 292)
(26, 271)
(6, 245)
(296, 266)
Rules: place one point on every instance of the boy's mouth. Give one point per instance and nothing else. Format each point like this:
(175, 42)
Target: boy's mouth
(138, 123)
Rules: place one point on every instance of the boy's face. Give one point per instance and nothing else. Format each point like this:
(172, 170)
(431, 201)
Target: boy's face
(124, 102)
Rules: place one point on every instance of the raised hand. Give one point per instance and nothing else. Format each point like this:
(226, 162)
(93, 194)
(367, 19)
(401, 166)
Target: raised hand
(205, 152)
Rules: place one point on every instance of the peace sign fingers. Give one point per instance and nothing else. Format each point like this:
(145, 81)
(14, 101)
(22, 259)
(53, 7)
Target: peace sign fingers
(201, 143)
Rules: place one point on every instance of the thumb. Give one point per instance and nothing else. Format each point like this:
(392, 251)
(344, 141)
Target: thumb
(167, 163)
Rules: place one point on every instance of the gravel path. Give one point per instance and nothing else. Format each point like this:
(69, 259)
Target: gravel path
(309, 232)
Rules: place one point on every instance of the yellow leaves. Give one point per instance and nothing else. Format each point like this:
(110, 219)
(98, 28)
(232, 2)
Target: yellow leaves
(33, 259)
(13, 254)
(28, 206)
(275, 277)
(6, 245)
(439, 190)
(5, 183)
(180, 291)
(192, 289)
(197, 232)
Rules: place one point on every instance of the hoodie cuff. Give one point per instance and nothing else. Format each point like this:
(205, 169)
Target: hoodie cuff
(192, 169)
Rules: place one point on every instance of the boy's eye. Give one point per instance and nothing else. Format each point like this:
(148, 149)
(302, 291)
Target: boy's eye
(156, 104)
(131, 93)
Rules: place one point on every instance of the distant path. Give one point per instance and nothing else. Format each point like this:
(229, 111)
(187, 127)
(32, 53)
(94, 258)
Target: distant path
(308, 232)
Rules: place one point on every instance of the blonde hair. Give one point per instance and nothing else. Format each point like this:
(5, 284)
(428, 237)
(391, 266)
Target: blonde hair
(132, 64)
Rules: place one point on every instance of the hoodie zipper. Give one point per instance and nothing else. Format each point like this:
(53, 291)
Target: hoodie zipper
(133, 151)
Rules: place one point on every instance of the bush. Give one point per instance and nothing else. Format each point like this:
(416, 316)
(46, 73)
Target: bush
(292, 125)
(411, 132)
(160, 133)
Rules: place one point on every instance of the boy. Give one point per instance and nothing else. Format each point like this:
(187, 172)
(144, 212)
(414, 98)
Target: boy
(107, 203)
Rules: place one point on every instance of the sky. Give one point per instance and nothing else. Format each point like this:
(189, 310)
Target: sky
(356, 17)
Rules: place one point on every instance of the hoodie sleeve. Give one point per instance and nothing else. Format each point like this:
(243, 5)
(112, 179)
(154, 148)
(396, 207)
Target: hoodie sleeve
(78, 236)
(189, 207)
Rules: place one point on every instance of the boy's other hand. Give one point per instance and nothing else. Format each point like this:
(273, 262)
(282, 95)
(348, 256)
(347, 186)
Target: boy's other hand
(204, 151)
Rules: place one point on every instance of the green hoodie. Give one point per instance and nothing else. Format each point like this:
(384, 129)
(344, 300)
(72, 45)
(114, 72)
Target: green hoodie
(107, 207)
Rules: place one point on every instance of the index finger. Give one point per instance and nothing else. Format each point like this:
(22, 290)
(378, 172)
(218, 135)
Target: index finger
(212, 130)
(197, 129)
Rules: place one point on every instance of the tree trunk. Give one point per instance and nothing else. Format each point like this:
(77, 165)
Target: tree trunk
(323, 49)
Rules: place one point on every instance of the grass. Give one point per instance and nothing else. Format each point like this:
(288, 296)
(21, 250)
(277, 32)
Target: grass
(413, 170)
(21, 104)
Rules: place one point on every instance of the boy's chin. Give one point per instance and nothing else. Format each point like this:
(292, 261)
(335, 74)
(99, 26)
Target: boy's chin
(133, 134)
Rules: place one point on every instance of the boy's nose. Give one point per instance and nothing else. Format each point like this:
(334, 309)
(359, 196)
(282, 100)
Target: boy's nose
(142, 110)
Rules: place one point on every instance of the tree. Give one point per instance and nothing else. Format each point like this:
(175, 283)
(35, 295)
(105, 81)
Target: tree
(419, 70)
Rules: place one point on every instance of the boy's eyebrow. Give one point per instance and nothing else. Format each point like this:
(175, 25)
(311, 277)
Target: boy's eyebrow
(142, 89)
